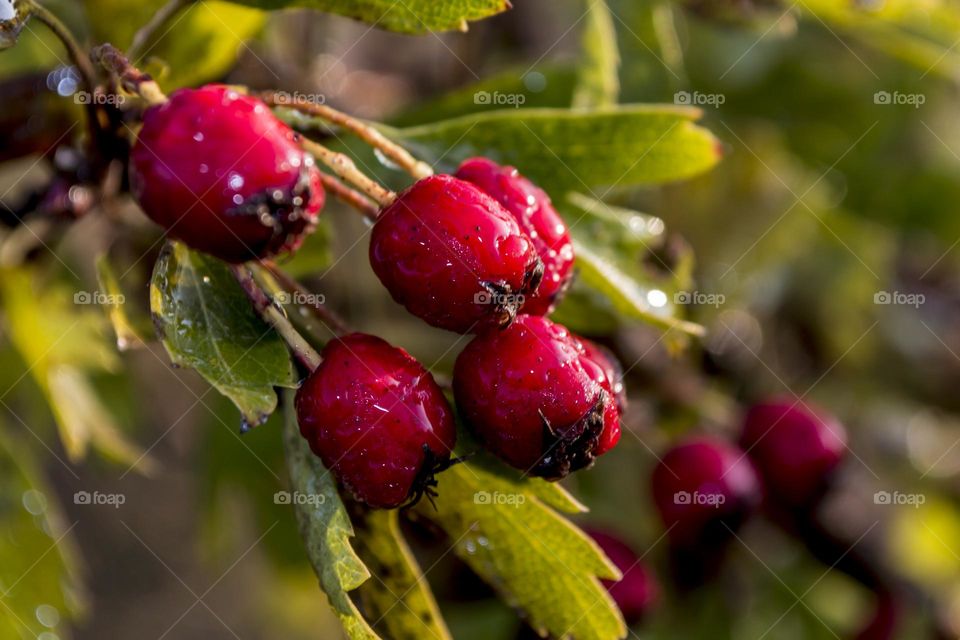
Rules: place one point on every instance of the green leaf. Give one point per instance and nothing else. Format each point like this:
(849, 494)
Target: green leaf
(564, 149)
(39, 575)
(406, 16)
(201, 44)
(398, 596)
(207, 323)
(64, 341)
(598, 83)
(325, 528)
(503, 526)
(131, 328)
(610, 243)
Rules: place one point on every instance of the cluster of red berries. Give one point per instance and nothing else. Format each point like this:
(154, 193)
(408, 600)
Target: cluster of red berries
(483, 251)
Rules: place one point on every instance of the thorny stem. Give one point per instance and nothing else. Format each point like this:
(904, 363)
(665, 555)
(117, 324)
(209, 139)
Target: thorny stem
(131, 78)
(351, 197)
(147, 32)
(334, 322)
(305, 354)
(345, 168)
(403, 158)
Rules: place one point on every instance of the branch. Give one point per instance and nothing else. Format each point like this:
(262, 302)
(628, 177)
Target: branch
(345, 168)
(147, 32)
(131, 78)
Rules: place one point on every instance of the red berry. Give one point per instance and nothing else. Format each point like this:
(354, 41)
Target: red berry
(703, 488)
(795, 448)
(376, 418)
(533, 210)
(452, 256)
(532, 396)
(220, 172)
(637, 592)
(612, 382)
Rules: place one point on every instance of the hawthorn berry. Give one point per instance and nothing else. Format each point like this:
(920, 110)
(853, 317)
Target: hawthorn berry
(612, 382)
(453, 256)
(377, 419)
(533, 397)
(534, 212)
(220, 172)
(704, 488)
(637, 592)
(795, 447)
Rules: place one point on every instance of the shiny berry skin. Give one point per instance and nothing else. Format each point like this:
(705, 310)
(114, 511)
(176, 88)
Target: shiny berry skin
(377, 419)
(452, 256)
(637, 592)
(703, 488)
(535, 214)
(220, 172)
(533, 398)
(612, 383)
(795, 448)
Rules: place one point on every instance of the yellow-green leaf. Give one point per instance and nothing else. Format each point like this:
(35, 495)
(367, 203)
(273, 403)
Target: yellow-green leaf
(598, 83)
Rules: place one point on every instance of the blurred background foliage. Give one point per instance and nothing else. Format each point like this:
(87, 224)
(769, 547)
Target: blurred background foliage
(826, 196)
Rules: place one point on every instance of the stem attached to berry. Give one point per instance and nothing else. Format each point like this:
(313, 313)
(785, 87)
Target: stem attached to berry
(131, 78)
(351, 197)
(403, 158)
(305, 354)
(147, 32)
(328, 318)
(345, 168)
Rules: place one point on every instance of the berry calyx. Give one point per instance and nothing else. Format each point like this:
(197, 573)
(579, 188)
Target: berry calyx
(533, 211)
(220, 172)
(704, 488)
(795, 447)
(452, 256)
(534, 399)
(377, 420)
(612, 382)
(637, 592)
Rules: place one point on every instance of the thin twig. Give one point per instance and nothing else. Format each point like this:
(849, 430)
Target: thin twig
(400, 156)
(77, 55)
(147, 32)
(305, 354)
(334, 322)
(353, 198)
(131, 78)
(344, 167)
